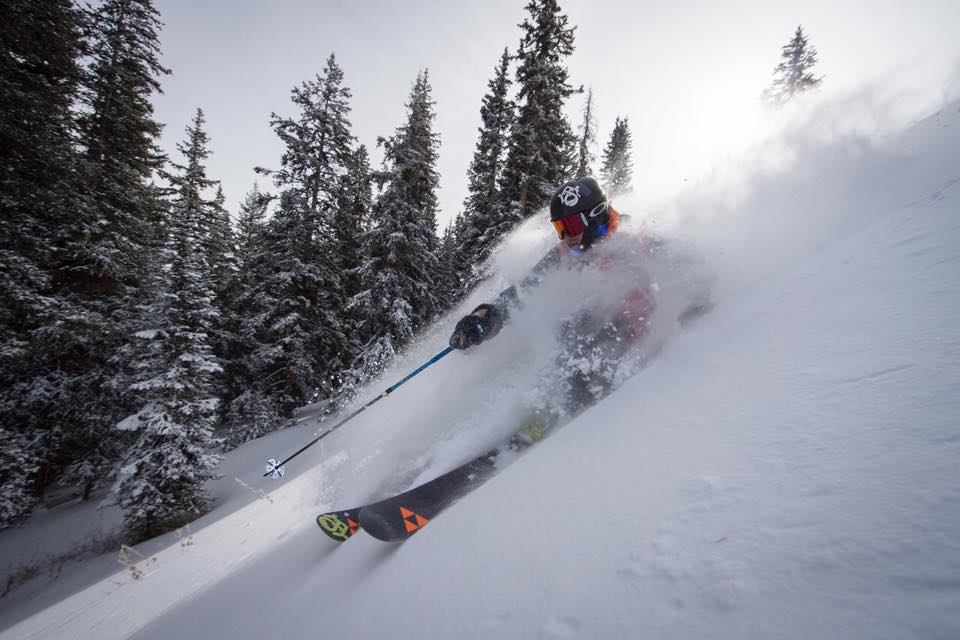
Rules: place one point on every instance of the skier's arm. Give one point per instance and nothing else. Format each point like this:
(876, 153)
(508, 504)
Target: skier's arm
(487, 319)
(511, 295)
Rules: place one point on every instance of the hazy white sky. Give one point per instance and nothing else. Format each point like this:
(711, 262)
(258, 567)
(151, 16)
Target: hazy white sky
(686, 72)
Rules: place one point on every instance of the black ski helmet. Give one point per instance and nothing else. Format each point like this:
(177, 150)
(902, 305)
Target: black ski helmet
(586, 196)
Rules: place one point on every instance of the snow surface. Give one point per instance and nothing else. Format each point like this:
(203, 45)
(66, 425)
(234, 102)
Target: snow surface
(785, 467)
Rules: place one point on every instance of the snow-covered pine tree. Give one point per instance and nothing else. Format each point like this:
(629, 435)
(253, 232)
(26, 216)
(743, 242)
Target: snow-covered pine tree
(353, 219)
(356, 201)
(397, 295)
(40, 43)
(483, 222)
(250, 229)
(17, 472)
(39, 79)
(173, 374)
(617, 171)
(411, 158)
(220, 245)
(251, 410)
(587, 139)
(454, 266)
(542, 146)
(285, 306)
(793, 75)
(443, 277)
(119, 138)
(319, 153)
(29, 380)
(101, 251)
(355, 210)
(217, 241)
(318, 141)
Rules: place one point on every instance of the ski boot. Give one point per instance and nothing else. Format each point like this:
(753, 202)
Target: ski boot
(533, 430)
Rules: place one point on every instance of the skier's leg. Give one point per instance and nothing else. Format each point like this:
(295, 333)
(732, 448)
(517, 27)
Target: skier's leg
(594, 364)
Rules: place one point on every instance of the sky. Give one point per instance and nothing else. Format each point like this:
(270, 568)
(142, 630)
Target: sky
(687, 74)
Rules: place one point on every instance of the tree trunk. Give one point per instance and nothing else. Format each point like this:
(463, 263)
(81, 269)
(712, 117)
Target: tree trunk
(40, 485)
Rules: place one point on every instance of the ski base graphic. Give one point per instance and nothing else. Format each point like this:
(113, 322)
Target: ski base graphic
(340, 525)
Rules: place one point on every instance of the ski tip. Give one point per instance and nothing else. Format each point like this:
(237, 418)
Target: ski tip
(340, 525)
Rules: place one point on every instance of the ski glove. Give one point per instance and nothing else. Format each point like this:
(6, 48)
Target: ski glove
(474, 329)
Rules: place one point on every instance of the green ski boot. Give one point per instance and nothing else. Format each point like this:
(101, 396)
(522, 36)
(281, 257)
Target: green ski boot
(533, 430)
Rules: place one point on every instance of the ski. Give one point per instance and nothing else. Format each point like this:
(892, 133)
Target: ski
(399, 517)
(340, 525)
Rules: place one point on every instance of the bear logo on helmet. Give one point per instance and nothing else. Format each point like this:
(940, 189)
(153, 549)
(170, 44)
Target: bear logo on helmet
(570, 195)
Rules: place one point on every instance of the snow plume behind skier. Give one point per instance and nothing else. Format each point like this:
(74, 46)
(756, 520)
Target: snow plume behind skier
(616, 284)
(481, 395)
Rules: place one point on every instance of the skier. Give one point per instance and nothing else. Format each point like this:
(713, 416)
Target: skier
(594, 340)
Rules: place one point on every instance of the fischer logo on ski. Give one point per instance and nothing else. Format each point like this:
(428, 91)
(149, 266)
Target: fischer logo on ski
(412, 520)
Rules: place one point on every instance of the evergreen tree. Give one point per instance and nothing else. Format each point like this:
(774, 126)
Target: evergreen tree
(353, 217)
(793, 75)
(220, 242)
(220, 246)
(588, 137)
(464, 266)
(411, 157)
(542, 144)
(286, 302)
(251, 410)
(455, 273)
(484, 220)
(355, 211)
(251, 224)
(16, 478)
(40, 44)
(216, 236)
(318, 156)
(39, 76)
(119, 137)
(397, 296)
(318, 142)
(617, 171)
(173, 372)
(101, 252)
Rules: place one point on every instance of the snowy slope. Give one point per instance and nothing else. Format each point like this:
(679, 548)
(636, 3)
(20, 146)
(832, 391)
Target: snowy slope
(785, 467)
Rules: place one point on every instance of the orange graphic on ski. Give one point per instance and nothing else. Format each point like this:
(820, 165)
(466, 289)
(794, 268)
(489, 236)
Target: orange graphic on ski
(412, 520)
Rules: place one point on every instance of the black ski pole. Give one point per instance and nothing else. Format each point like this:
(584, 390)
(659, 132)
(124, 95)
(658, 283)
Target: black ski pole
(275, 469)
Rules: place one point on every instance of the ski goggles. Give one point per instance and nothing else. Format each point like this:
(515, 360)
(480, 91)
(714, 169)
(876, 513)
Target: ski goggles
(577, 223)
